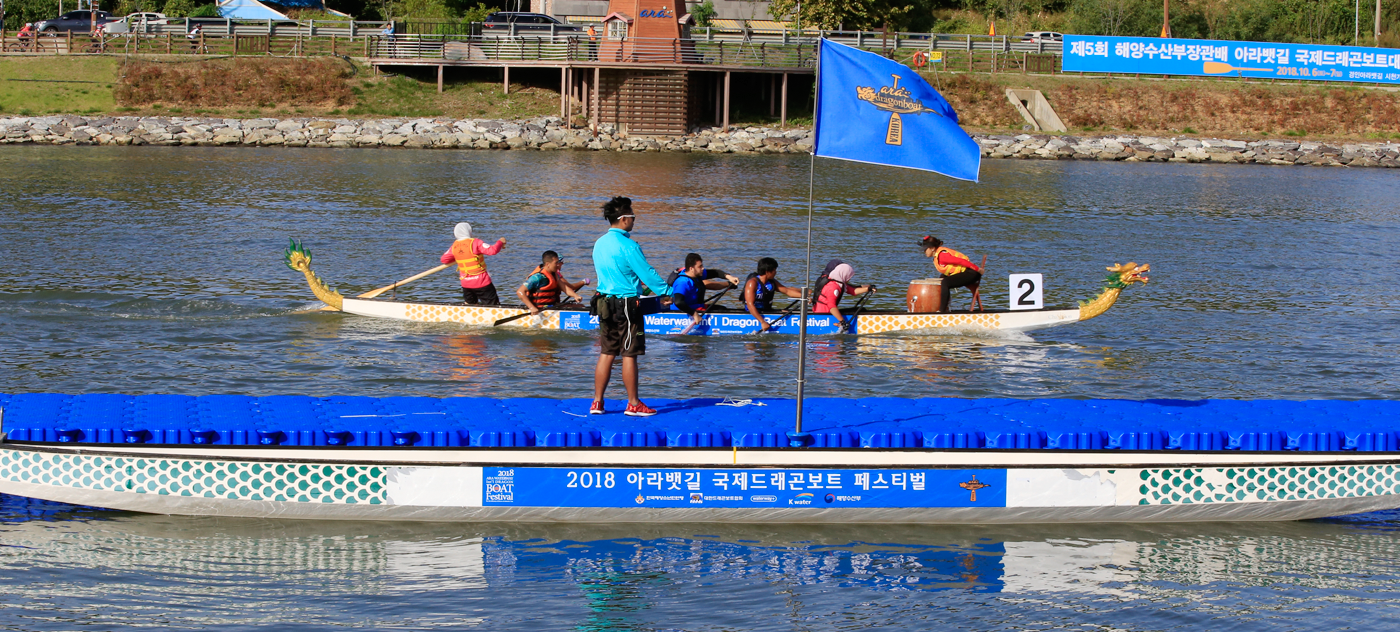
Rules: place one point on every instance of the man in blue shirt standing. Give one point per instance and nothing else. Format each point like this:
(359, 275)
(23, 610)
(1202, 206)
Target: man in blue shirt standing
(622, 272)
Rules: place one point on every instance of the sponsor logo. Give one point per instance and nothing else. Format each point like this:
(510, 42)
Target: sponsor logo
(696, 499)
(805, 498)
(896, 101)
(830, 498)
(763, 499)
(640, 499)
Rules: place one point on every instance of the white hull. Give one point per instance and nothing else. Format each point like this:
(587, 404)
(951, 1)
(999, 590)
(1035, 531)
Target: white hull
(459, 485)
(718, 324)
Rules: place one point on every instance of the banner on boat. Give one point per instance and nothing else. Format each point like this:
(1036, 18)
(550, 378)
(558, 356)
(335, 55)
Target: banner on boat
(871, 109)
(732, 323)
(1215, 58)
(727, 488)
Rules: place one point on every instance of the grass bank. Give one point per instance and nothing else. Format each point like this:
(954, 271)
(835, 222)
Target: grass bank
(255, 87)
(1224, 108)
(67, 85)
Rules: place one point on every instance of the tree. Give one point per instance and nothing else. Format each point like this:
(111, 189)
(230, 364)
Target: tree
(703, 13)
(845, 14)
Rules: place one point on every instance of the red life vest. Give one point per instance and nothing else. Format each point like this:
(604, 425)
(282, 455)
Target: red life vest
(547, 294)
(469, 263)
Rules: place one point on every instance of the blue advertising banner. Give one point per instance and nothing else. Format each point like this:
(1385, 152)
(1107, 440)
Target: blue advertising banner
(788, 488)
(1213, 58)
(716, 323)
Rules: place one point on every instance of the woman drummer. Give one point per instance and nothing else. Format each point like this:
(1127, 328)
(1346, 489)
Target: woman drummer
(956, 268)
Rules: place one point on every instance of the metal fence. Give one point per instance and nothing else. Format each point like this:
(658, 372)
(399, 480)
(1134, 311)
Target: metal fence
(368, 40)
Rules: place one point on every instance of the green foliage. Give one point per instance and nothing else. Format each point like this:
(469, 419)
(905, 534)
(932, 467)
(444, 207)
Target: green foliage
(179, 8)
(206, 11)
(477, 13)
(703, 13)
(19, 12)
(848, 14)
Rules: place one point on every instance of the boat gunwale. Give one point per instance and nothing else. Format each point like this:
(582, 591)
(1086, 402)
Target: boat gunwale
(1380, 458)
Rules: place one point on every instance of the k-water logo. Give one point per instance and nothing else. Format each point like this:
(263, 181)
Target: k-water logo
(805, 498)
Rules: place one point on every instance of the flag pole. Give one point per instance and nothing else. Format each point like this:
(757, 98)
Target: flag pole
(798, 438)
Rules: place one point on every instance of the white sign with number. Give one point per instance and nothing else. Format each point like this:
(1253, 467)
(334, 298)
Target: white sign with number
(1027, 291)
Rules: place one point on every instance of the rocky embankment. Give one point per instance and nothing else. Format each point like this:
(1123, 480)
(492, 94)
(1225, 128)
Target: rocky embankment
(549, 133)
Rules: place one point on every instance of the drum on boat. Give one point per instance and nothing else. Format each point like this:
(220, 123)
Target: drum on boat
(925, 296)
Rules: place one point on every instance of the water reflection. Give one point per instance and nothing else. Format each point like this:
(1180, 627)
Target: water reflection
(1226, 315)
(209, 571)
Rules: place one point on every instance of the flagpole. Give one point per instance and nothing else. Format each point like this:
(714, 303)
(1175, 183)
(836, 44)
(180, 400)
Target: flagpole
(798, 438)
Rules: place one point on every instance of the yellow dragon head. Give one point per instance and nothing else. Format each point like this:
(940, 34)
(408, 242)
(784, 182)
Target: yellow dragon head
(1125, 274)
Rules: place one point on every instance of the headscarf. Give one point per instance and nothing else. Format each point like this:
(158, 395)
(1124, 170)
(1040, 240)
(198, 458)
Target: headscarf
(842, 273)
(463, 231)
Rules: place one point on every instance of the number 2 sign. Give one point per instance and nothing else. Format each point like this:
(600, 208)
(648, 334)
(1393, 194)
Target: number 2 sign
(1027, 291)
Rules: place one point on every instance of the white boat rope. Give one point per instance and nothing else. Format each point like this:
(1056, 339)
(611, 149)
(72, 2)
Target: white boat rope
(737, 403)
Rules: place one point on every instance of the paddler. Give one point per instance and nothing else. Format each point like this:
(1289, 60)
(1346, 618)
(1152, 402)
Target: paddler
(760, 287)
(688, 285)
(835, 282)
(957, 269)
(622, 272)
(541, 290)
(470, 254)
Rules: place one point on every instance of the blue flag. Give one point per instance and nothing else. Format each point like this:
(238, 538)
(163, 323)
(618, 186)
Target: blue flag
(871, 109)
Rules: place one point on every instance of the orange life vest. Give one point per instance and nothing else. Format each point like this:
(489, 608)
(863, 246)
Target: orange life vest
(948, 270)
(469, 263)
(546, 295)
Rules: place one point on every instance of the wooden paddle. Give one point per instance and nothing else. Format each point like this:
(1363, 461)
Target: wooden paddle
(374, 293)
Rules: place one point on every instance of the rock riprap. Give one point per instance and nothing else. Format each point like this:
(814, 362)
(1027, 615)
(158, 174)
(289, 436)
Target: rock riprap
(550, 134)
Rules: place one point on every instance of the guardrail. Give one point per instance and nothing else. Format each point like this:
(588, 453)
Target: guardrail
(967, 54)
(575, 49)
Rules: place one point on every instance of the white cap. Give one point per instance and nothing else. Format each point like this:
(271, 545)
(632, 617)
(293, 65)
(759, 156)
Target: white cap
(463, 231)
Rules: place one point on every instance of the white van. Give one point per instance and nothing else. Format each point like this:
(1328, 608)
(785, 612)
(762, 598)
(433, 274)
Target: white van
(1043, 36)
(134, 22)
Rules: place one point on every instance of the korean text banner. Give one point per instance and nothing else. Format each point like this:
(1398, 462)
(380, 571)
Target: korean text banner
(871, 109)
(1208, 58)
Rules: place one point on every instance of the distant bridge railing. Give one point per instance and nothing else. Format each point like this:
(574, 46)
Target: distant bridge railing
(357, 39)
(489, 49)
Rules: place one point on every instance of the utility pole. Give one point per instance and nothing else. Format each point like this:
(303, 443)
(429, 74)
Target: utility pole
(1378, 23)
(1166, 19)
(1356, 36)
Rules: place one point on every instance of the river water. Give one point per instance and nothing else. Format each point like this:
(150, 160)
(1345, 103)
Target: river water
(158, 270)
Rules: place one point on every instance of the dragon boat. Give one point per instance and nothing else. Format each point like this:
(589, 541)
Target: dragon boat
(577, 318)
(874, 460)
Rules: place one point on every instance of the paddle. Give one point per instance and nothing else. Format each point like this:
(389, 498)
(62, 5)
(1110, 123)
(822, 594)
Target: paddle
(374, 293)
(710, 302)
(785, 313)
(507, 319)
(851, 320)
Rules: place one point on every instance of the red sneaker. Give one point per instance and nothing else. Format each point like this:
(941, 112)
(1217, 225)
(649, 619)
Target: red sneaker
(639, 410)
(596, 408)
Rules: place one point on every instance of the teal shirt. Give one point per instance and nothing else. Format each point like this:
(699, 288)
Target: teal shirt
(622, 268)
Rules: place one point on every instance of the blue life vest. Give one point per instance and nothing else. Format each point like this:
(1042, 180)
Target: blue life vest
(762, 293)
(692, 290)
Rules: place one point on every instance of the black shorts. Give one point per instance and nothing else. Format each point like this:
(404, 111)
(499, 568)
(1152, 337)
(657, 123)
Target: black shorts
(618, 337)
(481, 295)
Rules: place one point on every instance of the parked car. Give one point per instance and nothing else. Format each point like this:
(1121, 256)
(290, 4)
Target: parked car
(76, 21)
(1043, 36)
(134, 22)
(500, 22)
